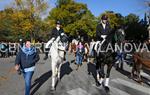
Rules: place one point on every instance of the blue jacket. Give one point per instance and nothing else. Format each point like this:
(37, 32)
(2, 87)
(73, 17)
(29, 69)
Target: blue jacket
(27, 58)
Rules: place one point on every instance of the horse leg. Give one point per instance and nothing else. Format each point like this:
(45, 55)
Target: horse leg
(102, 74)
(87, 57)
(138, 73)
(54, 73)
(109, 66)
(134, 67)
(133, 70)
(59, 68)
(97, 71)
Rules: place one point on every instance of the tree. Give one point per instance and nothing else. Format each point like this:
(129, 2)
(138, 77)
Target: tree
(6, 25)
(131, 18)
(75, 17)
(23, 20)
(136, 28)
(32, 10)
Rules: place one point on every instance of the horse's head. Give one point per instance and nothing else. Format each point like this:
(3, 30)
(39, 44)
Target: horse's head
(59, 46)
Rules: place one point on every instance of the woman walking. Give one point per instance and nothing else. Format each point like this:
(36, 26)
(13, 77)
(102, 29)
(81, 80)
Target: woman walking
(25, 61)
(79, 54)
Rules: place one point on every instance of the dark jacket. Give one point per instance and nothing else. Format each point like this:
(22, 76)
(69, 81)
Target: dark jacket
(26, 60)
(56, 33)
(107, 31)
(101, 31)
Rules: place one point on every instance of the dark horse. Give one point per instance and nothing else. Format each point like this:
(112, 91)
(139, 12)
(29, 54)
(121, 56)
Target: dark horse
(104, 56)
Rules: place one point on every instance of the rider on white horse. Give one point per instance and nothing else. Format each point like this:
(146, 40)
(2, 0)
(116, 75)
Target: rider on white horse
(57, 51)
(57, 31)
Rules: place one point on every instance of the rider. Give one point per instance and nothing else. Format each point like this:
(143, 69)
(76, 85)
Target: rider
(57, 31)
(102, 31)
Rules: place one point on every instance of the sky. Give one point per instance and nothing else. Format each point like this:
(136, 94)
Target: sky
(124, 7)
(97, 7)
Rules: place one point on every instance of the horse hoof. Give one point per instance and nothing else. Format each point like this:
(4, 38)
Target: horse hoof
(98, 84)
(130, 76)
(59, 79)
(107, 89)
(45, 58)
(53, 89)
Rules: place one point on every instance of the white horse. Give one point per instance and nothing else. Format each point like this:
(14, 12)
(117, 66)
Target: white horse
(56, 52)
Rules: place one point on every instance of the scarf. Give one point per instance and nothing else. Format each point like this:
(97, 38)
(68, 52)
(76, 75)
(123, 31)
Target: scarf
(28, 51)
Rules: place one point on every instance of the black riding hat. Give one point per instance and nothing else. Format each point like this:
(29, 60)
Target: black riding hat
(104, 17)
(58, 22)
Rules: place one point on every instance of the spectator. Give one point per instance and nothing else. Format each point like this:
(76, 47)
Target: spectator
(26, 60)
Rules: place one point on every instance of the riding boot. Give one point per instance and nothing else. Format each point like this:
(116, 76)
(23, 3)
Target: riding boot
(65, 56)
(46, 54)
(121, 65)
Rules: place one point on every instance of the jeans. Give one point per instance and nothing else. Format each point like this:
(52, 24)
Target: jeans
(120, 56)
(79, 59)
(27, 78)
(92, 53)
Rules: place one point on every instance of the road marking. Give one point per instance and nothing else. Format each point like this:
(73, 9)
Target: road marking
(145, 75)
(131, 85)
(78, 91)
(118, 91)
(114, 90)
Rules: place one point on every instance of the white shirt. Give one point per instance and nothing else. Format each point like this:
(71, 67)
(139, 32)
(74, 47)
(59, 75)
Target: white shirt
(104, 25)
(58, 28)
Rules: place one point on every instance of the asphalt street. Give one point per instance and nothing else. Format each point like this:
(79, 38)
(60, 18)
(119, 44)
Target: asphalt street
(73, 82)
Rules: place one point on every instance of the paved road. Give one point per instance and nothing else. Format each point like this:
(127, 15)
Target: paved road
(72, 82)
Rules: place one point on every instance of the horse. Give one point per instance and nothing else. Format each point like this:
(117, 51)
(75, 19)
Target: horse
(102, 59)
(57, 53)
(141, 61)
(120, 40)
(86, 54)
(72, 47)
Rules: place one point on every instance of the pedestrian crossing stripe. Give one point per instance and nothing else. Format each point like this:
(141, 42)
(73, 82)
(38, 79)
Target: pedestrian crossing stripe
(117, 91)
(114, 91)
(132, 85)
(145, 75)
(78, 91)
